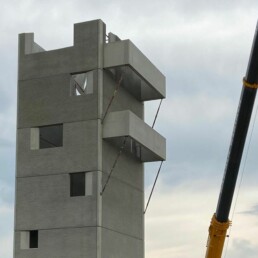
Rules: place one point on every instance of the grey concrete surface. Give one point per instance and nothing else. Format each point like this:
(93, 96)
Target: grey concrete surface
(44, 202)
(128, 170)
(83, 56)
(61, 243)
(123, 99)
(48, 100)
(123, 212)
(27, 44)
(78, 153)
(118, 245)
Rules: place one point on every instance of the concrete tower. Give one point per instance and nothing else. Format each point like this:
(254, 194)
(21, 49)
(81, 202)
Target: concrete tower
(80, 119)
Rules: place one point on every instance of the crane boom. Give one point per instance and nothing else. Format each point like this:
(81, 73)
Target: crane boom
(220, 222)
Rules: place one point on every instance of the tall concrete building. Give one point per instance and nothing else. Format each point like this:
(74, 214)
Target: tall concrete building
(81, 145)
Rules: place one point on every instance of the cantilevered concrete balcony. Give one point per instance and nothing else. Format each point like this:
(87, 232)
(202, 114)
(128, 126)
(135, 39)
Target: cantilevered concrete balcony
(139, 75)
(124, 128)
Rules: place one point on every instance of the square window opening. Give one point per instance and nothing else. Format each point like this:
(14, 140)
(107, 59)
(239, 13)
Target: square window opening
(50, 136)
(81, 84)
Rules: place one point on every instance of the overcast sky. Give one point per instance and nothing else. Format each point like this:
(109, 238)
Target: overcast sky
(202, 47)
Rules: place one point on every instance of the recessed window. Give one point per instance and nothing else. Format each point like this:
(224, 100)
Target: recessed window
(77, 184)
(50, 136)
(46, 137)
(34, 239)
(29, 239)
(81, 184)
(81, 83)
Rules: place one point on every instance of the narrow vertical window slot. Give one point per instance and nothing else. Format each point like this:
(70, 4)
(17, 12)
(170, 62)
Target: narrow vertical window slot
(33, 239)
(77, 184)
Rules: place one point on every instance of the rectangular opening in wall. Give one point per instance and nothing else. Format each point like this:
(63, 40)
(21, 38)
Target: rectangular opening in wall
(50, 136)
(77, 184)
(81, 83)
(33, 239)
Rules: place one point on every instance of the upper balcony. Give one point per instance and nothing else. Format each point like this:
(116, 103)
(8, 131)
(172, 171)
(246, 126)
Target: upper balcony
(142, 141)
(139, 76)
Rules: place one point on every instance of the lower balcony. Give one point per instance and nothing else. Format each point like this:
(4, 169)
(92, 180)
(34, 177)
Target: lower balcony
(124, 128)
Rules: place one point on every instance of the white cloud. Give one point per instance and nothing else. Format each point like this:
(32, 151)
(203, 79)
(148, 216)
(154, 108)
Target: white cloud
(7, 128)
(178, 219)
(6, 242)
(6, 224)
(242, 248)
(197, 109)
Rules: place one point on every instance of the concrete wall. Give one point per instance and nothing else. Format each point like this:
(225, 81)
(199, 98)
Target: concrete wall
(78, 153)
(123, 199)
(85, 55)
(123, 99)
(44, 202)
(48, 100)
(118, 245)
(61, 243)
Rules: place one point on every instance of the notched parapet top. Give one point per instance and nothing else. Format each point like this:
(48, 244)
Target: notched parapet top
(89, 52)
(86, 53)
(27, 45)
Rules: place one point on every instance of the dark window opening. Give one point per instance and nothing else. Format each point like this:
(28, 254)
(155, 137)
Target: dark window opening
(33, 239)
(77, 184)
(50, 136)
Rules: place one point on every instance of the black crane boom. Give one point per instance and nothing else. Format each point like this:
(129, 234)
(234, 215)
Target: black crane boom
(220, 221)
(243, 117)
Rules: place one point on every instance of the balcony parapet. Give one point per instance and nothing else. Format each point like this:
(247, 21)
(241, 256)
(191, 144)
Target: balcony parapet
(140, 76)
(143, 141)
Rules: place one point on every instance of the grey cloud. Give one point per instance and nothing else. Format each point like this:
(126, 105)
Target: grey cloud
(4, 100)
(5, 144)
(8, 92)
(6, 194)
(252, 211)
(6, 218)
(7, 162)
(242, 248)
(202, 6)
